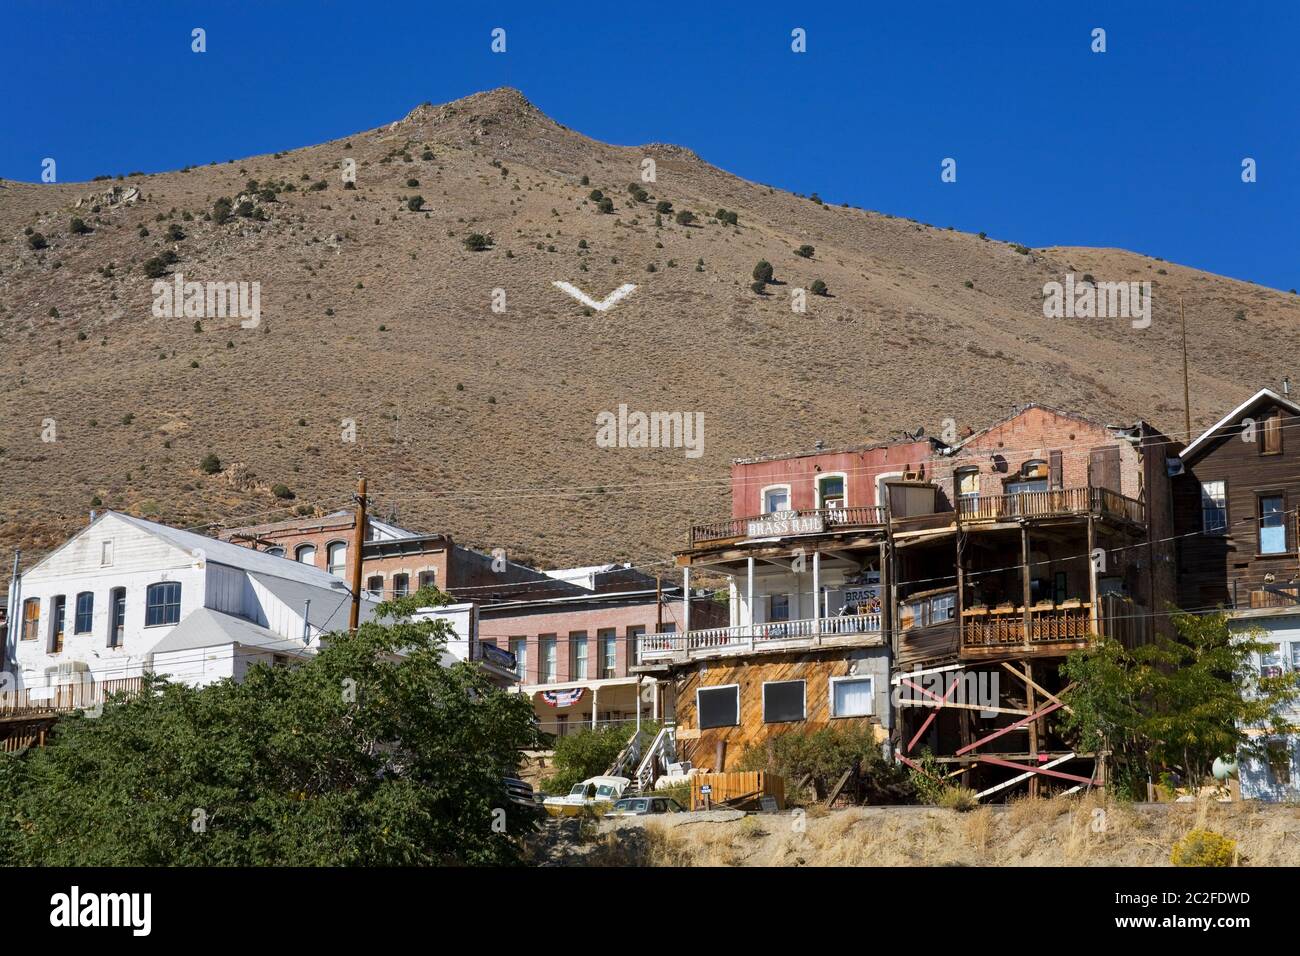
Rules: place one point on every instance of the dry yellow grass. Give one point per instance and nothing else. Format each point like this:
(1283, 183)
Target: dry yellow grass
(1085, 830)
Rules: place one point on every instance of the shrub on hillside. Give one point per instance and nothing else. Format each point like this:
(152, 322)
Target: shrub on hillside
(155, 267)
(805, 251)
(477, 242)
(78, 226)
(1204, 848)
(210, 464)
(37, 241)
(685, 217)
(763, 272)
(415, 203)
(824, 756)
(818, 287)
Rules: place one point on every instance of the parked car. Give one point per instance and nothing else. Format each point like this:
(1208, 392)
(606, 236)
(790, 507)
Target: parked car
(589, 793)
(520, 792)
(644, 806)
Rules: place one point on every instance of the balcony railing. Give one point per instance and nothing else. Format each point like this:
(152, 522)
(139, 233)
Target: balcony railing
(787, 523)
(1001, 627)
(748, 638)
(1047, 504)
(63, 698)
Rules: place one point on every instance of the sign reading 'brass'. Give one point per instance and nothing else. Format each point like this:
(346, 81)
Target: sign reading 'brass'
(781, 523)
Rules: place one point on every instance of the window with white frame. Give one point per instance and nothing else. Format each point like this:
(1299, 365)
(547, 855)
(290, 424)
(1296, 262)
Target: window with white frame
(784, 701)
(375, 587)
(106, 554)
(546, 649)
(607, 638)
(31, 619)
(1270, 661)
(162, 604)
(1214, 507)
(852, 696)
(401, 585)
(1295, 655)
(778, 607)
(85, 616)
(718, 706)
(578, 645)
(336, 553)
(776, 499)
(830, 491)
(306, 554)
(275, 552)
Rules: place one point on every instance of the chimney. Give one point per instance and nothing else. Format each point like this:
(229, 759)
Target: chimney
(1286, 385)
(92, 515)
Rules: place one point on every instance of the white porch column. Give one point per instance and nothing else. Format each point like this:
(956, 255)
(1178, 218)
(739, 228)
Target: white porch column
(749, 597)
(817, 594)
(686, 590)
(638, 705)
(595, 692)
(654, 700)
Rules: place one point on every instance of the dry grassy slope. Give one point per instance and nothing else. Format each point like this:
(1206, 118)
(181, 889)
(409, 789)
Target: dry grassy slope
(901, 343)
(1066, 831)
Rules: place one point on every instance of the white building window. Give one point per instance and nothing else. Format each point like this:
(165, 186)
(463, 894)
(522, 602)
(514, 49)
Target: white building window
(306, 554)
(547, 653)
(106, 554)
(830, 491)
(275, 552)
(852, 696)
(718, 706)
(578, 641)
(1270, 661)
(337, 554)
(968, 483)
(776, 499)
(519, 647)
(784, 701)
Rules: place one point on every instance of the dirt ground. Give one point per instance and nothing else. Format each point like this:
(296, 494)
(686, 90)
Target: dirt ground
(1083, 831)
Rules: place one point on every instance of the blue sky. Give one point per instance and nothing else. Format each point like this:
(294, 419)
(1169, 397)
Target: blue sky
(1139, 147)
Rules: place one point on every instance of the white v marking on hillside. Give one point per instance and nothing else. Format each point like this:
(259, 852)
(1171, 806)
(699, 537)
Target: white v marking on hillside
(607, 303)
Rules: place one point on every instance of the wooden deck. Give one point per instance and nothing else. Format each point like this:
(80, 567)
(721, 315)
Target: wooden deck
(63, 698)
(786, 523)
(1059, 502)
(759, 638)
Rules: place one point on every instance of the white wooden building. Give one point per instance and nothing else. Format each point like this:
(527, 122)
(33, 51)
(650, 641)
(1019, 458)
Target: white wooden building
(125, 595)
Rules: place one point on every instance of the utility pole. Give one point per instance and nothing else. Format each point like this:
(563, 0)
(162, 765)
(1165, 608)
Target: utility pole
(1187, 401)
(357, 541)
(659, 604)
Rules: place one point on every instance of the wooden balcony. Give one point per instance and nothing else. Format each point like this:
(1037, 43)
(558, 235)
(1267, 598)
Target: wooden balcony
(1059, 502)
(758, 638)
(989, 629)
(63, 698)
(787, 523)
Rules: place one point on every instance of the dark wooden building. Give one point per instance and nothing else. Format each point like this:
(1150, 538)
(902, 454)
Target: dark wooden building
(1235, 504)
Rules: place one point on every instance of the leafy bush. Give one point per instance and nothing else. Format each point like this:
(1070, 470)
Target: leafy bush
(282, 491)
(763, 272)
(960, 799)
(818, 287)
(595, 195)
(210, 464)
(663, 206)
(78, 226)
(221, 210)
(805, 251)
(685, 217)
(37, 241)
(415, 203)
(175, 233)
(606, 205)
(824, 756)
(1204, 848)
(477, 242)
(155, 267)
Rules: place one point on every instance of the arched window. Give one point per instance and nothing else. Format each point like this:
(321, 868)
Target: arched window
(162, 604)
(375, 587)
(85, 612)
(275, 552)
(306, 554)
(337, 558)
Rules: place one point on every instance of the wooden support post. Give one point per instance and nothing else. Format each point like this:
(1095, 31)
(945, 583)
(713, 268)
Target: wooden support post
(595, 692)
(659, 604)
(686, 596)
(1093, 616)
(749, 598)
(1033, 726)
(817, 597)
(1024, 577)
(358, 543)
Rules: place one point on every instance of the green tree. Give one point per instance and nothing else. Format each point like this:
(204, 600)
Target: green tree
(685, 217)
(763, 272)
(372, 753)
(1176, 703)
(805, 251)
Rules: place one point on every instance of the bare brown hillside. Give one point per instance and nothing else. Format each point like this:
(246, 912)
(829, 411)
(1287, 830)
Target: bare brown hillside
(483, 424)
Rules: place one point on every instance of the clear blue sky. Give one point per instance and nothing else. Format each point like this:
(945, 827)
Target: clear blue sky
(1139, 147)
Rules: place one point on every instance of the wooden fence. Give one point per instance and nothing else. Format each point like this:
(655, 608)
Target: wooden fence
(736, 786)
